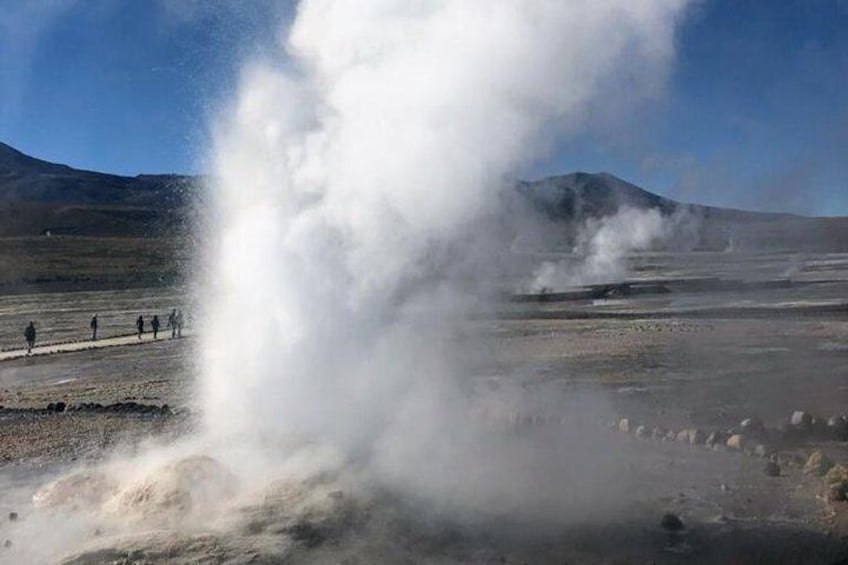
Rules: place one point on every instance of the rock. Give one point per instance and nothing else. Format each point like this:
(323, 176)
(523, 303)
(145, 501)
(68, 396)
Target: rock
(7, 543)
(838, 428)
(772, 469)
(817, 464)
(801, 420)
(671, 523)
(819, 429)
(837, 474)
(671, 435)
(85, 488)
(697, 437)
(658, 434)
(761, 450)
(715, 438)
(683, 436)
(641, 431)
(837, 492)
(752, 426)
(736, 441)
(51, 407)
(60, 407)
(13, 516)
(790, 460)
(624, 425)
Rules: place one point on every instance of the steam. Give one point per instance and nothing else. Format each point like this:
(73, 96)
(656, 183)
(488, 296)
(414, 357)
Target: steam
(350, 182)
(345, 251)
(599, 255)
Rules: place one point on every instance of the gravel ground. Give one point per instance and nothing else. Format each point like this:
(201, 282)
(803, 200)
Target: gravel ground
(673, 371)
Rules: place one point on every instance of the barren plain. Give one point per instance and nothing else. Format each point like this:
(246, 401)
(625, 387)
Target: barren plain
(693, 344)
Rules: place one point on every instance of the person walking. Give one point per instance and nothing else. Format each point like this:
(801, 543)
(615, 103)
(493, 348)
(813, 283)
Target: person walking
(179, 320)
(172, 323)
(139, 324)
(29, 334)
(155, 325)
(93, 326)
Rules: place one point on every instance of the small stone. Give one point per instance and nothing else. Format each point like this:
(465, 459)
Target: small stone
(752, 426)
(801, 420)
(715, 438)
(837, 474)
(838, 428)
(697, 437)
(13, 516)
(671, 523)
(761, 450)
(819, 429)
(736, 441)
(817, 464)
(772, 469)
(7, 543)
(60, 407)
(624, 425)
(641, 431)
(837, 492)
(51, 407)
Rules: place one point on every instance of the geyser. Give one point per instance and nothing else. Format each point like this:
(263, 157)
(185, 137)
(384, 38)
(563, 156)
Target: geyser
(348, 184)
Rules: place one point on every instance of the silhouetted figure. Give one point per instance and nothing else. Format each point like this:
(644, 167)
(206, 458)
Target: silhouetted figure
(93, 326)
(139, 324)
(172, 323)
(29, 334)
(179, 321)
(155, 325)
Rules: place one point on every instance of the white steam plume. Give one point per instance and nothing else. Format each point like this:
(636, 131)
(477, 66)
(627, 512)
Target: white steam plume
(346, 181)
(602, 245)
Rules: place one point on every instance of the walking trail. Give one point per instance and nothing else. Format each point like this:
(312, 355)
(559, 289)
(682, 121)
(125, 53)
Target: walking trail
(67, 347)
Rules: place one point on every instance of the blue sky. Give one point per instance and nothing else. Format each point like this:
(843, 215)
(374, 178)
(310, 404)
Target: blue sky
(754, 116)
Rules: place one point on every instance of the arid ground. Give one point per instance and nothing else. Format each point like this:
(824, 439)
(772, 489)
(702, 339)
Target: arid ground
(694, 345)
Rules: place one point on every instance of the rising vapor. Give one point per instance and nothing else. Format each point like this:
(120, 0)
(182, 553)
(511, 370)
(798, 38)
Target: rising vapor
(346, 176)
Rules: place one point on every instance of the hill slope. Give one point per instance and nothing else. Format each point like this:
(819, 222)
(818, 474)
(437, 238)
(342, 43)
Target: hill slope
(38, 196)
(569, 200)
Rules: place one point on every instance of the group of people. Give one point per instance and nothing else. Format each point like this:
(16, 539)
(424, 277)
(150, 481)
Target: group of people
(175, 323)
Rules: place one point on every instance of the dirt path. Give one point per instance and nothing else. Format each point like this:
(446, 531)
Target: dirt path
(66, 347)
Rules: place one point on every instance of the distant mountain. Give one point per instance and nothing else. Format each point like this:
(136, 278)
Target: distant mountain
(38, 197)
(569, 200)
